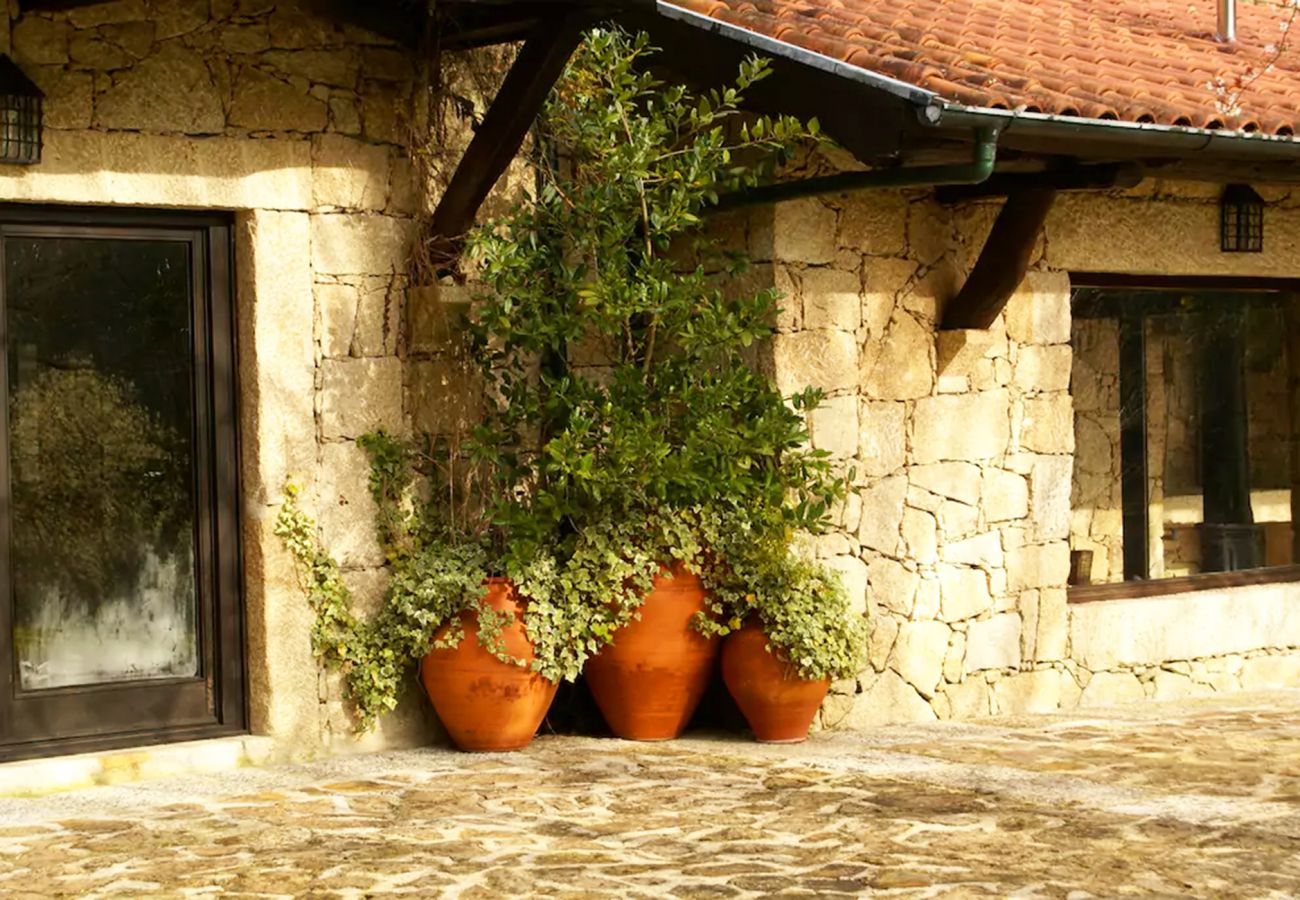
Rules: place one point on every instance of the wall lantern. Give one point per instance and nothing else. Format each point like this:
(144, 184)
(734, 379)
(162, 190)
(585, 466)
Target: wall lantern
(20, 115)
(1241, 220)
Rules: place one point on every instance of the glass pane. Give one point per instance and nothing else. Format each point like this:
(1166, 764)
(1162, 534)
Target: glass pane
(1220, 435)
(101, 454)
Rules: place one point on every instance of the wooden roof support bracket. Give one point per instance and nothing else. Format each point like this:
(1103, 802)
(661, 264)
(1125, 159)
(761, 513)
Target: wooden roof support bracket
(538, 66)
(1003, 262)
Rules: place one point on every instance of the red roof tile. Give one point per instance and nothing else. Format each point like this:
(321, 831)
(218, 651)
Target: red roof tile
(1136, 60)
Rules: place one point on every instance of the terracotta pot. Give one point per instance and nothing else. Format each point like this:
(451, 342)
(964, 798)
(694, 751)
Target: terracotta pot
(778, 705)
(649, 680)
(484, 703)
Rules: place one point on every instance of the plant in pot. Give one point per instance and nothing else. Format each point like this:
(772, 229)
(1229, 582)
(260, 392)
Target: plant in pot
(791, 628)
(489, 657)
(618, 346)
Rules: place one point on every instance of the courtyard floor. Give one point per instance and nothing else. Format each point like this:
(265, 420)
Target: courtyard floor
(1195, 799)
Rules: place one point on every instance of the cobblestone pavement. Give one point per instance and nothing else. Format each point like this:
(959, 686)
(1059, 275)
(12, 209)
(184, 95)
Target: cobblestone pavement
(1199, 799)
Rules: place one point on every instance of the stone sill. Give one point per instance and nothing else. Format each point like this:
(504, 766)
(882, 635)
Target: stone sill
(35, 777)
(1146, 631)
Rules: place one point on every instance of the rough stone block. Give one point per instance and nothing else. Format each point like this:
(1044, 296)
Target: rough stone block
(884, 632)
(831, 299)
(920, 536)
(893, 586)
(1053, 625)
(1029, 692)
(347, 173)
(955, 657)
(919, 653)
(345, 509)
(336, 307)
(146, 98)
(889, 699)
(883, 433)
(68, 96)
(1006, 495)
(956, 520)
(1110, 688)
(964, 593)
(276, 357)
(970, 699)
(983, 549)
(881, 524)
(822, 358)
(1271, 671)
(901, 369)
(967, 427)
(993, 643)
(1038, 566)
(1051, 484)
(40, 41)
(803, 231)
(1047, 425)
(360, 395)
(955, 480)
(265, 103)
(1043, 368)
(357, 244)
(872, 223)
(886, 281)
(834, 427)
(1039, 311)
(853, 575)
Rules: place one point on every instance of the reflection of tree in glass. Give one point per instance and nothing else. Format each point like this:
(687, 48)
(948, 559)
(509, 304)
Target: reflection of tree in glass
(99, 483)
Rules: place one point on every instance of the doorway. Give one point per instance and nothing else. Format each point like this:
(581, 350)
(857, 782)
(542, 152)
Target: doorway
(120, 614)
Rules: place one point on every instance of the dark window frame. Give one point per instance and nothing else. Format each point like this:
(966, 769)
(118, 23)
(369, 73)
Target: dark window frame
(1132, 339)
(212, 703)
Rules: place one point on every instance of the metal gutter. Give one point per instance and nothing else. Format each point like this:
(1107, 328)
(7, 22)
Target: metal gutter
(939, 113)
(984, 156)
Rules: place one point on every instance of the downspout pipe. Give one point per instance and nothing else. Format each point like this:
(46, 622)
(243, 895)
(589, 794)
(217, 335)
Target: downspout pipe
(984, 155)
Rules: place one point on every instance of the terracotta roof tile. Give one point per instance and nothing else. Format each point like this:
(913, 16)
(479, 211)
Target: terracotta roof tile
(1136, 60)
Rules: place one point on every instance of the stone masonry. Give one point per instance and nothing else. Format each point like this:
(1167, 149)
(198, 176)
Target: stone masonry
(955, 536)
(300, 127)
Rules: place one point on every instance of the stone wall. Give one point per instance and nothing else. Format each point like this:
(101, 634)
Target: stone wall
(297, 125)
(956, 534)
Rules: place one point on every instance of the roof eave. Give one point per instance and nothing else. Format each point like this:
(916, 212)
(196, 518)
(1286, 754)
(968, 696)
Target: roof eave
(937, 113)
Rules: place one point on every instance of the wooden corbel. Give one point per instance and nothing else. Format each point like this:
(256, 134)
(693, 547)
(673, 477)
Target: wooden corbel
(1003, 261)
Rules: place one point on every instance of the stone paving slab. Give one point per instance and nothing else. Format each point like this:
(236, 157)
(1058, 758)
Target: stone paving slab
(1197, 799)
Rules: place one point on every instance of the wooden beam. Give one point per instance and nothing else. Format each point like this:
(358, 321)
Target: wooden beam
(536, 69)
(1003, 261)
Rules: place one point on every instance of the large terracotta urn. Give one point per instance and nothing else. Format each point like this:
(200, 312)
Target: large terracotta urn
(778, 705)
(484, 703)
(648, 681)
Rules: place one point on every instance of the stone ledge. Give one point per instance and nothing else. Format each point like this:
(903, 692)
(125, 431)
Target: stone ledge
(34, 777)
(1149, 631)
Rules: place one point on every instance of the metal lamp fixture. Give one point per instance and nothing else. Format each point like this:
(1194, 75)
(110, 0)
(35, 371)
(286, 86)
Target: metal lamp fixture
(1241, 220)
(20, 115)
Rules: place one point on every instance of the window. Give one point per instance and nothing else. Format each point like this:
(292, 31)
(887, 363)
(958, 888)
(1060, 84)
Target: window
(119, 605)
(1184, 440)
